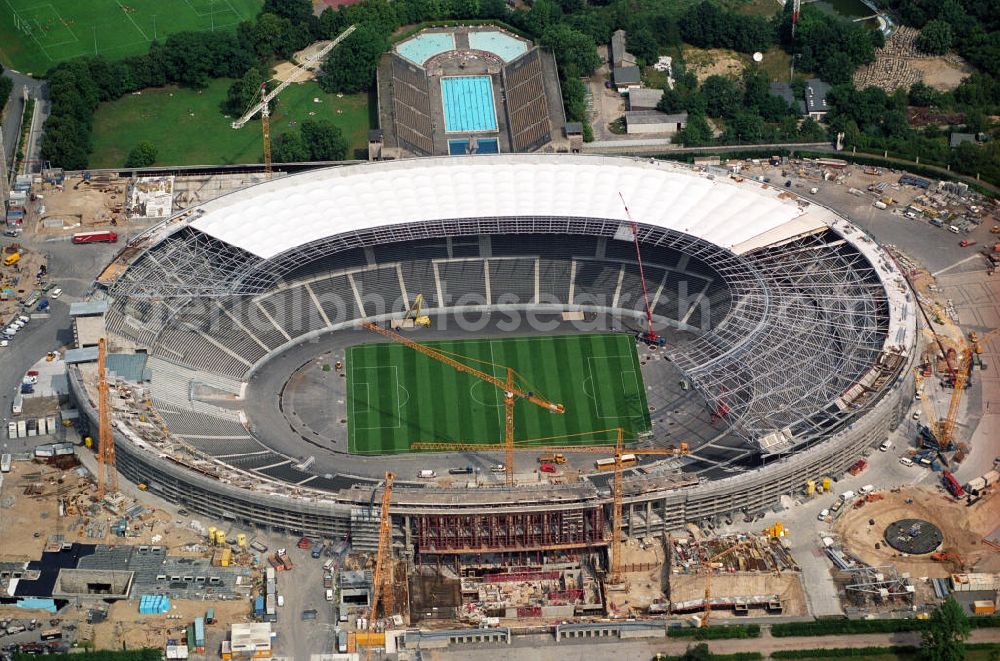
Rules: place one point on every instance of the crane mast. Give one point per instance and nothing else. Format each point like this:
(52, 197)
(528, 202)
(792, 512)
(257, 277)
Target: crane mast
(107, 472)
(382, 580)
(265, 127)
(650, 336)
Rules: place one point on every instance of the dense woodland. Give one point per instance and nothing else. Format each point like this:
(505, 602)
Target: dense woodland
(742, 110)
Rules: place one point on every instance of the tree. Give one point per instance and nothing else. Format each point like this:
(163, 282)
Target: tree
(947, 630)
(696, 133)
(6, 85)
(744, 127)
(722, 95)
(699, 652)
(935, 38)
(575, 51)
(671, 101)
(299, 11)
(642, 44)
(142, 155)
(289, 148)
(923, 95)
(323, 140)
(242, 93)
(350, 68)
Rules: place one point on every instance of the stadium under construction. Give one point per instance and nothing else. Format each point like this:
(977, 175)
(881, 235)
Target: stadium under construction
(788, 336)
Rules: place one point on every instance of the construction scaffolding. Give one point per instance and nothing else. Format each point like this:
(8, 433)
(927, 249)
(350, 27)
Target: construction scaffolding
(448, 534)
(878, 586)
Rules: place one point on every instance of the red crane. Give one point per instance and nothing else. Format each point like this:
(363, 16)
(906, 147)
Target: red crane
(650, 335)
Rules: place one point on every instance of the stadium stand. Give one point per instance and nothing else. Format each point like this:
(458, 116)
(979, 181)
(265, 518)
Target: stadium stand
(392, 253)
(379, 290)
(463, 282)
(419, 278)
(336, 297)
(554, 279)
(412, 106)
(256, 460)
(514, 278)
(293, 308)
(527, 108)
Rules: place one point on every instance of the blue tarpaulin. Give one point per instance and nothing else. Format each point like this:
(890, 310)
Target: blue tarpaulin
(43, 604)
(153, 604)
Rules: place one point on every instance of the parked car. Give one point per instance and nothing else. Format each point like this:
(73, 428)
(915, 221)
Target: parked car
(547, 468)
(55, 293)
(822, 515)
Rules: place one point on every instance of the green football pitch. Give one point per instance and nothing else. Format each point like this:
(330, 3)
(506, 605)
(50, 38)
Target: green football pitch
(397, 396)
(35, 34)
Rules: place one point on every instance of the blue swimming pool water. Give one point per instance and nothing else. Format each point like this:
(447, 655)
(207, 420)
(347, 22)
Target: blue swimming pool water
(460, 147)
(468, 104)
(488, 146)
(423, 47)
(503, 45)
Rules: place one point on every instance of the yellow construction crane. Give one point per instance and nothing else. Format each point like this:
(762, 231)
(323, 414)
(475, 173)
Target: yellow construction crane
(946, 431)
(382, 581)
(105, 438)
(416, 313)
(510, 387)
(533, 446)
(265, 97)
(708, 579)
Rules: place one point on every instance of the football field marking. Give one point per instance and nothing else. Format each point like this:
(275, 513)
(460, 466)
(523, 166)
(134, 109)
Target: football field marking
(394, 405)
(619, 360)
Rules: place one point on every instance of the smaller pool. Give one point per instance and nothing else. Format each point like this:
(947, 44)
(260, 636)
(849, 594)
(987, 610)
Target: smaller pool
(500, 44)
(460, 146)
(424, 46)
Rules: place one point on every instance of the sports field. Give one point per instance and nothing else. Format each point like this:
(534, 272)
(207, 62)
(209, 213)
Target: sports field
(397, 396)
(35, 34)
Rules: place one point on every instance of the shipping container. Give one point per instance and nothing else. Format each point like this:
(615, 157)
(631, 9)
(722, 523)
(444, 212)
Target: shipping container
(270, 604)
(199, 632)
(342, 641)
(257, 546)
(258, 606)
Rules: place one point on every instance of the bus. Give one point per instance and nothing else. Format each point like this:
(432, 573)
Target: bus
(609, 464)
(51, 634)
(100, 236)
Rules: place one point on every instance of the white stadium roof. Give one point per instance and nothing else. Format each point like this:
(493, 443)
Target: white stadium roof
(322, 203)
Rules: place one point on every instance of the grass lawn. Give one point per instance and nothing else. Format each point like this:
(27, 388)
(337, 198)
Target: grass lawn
(397, 396)
(777, 63)
(188, 128)
(36, 34)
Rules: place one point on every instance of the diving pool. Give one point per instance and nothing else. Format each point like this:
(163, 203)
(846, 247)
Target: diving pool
(468, 104)
(460, 147)
(424, 46)
(503, 45)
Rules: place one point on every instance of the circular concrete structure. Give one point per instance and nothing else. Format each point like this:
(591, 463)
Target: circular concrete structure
(790, 335)
(913, 536)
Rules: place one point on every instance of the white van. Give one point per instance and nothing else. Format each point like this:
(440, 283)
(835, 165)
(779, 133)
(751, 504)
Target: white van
(329, 563)
(906, 461)
(952, 229)
(886, 444)
(867, 489)
(55, 293)
(329, 595)
(822, 515)
(846, 496)
(427, 475)
(281, 600)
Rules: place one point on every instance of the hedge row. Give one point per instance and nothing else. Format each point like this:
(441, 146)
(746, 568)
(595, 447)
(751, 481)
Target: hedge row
(716, 632)
(834, 627)
(824, 653)
(99, 655)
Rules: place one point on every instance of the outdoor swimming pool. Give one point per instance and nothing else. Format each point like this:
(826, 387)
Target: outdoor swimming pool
(423, 47)
(499, 43)
(468, 104)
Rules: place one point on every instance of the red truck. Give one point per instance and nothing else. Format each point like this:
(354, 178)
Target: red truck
(101, 236)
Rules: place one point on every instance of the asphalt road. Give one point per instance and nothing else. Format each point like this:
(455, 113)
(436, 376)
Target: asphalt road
(15, 106)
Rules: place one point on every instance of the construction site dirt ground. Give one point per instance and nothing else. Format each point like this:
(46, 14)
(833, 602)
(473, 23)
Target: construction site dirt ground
(788, 587)
(125, 625)
(80, 205)
(28, 515)
(963, 529)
